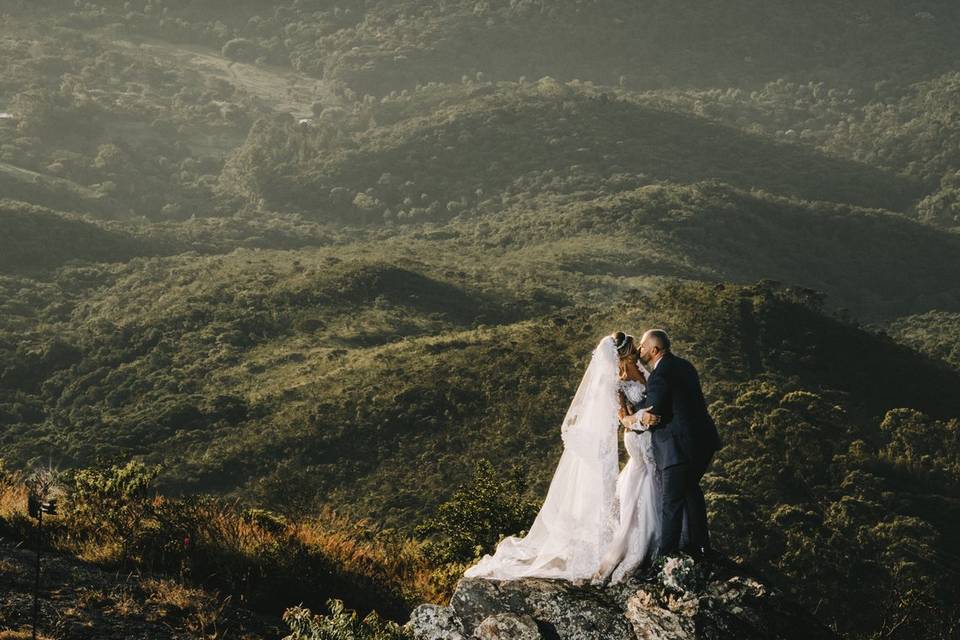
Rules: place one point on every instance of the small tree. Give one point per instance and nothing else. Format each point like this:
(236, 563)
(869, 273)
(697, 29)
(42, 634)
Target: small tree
(479, 515)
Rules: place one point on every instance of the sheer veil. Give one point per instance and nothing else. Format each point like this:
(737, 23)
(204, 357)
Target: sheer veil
(579, 514)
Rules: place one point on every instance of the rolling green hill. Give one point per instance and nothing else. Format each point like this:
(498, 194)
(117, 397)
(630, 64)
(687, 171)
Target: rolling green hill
(455, 148)
(874, 263)
(370, 398)
(342, 375)
(376, 47)
(936, 333)
(35, 239)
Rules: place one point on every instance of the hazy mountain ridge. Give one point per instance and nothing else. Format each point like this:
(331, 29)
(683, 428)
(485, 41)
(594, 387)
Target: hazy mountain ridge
(474, 142)
(888, 126)
(380, 46)
(710, 231)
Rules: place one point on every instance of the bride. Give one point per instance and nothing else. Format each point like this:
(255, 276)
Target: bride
(595, 524)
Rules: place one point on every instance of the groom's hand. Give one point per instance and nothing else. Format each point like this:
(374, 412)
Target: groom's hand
(639, 420)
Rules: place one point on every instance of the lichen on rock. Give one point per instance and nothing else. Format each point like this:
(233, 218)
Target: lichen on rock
(714, 600)
(508, 626)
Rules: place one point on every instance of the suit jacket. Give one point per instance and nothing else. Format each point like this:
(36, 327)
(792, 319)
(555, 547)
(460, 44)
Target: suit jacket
(686, 433)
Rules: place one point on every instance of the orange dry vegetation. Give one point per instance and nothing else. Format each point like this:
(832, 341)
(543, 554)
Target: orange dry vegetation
(359, 550)
(226, 539)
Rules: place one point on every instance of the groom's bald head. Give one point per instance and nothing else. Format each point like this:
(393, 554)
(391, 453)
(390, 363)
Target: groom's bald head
(657, 338)
(653, 344)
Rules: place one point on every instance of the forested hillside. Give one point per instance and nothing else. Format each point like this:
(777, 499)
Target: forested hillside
(323, 258)
(376, 47)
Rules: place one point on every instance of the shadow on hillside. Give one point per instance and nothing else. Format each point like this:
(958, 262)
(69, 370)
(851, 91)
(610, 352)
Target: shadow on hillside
(33, 238)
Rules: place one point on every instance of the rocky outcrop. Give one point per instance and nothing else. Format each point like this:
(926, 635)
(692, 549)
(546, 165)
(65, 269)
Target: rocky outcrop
(716, 601)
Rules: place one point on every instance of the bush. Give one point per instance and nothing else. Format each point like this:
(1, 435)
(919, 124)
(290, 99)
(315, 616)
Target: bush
(341, 624)
(113, 505)
(241, 50)
(479, 515)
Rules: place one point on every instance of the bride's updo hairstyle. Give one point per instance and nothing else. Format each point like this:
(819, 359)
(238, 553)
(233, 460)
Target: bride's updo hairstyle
(625, 344)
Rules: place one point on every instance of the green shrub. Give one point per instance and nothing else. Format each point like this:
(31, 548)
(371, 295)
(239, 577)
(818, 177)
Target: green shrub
(479, 515)
(341, 624)
(114, 505)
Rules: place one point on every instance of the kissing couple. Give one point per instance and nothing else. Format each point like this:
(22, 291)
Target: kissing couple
(602, 524)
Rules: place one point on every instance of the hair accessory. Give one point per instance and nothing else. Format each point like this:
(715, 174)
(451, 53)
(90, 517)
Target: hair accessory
(623, 344)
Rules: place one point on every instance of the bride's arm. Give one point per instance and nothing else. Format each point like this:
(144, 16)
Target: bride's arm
(625, 409)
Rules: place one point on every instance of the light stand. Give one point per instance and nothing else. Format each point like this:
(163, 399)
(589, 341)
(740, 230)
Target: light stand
(38, 504)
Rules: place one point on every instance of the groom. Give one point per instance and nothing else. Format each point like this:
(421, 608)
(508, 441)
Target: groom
(684, 440)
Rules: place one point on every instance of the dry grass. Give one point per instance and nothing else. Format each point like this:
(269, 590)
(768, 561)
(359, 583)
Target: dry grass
(21, 635)
(13, 497)
(358, 549)
(89, 597)
(99, 553)
(124, 602)
(355, 548)
(8, 567)
(170, 594)
(14, 519)
(201, 613)
(228, 549)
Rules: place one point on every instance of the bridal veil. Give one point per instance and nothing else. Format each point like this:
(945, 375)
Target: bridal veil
(579, 515)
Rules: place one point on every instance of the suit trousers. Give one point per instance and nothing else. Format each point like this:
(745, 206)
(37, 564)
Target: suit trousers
(684, 511)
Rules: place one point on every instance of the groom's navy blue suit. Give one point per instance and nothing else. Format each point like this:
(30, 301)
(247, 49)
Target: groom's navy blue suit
(683, 444)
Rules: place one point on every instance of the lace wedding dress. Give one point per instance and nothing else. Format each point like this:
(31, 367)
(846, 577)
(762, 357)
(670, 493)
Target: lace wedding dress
(579, 515)
(638, 494)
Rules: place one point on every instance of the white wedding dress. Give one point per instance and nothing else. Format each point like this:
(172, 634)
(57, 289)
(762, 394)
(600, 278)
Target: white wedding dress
(592, 518)
(638, 493)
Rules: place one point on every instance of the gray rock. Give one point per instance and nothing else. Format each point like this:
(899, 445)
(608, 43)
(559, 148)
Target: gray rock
(508, 626)
(709, 601)
(575, 613)
(433, 622)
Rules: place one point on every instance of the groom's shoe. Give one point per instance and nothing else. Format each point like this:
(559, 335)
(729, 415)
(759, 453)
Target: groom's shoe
(698, 554)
